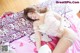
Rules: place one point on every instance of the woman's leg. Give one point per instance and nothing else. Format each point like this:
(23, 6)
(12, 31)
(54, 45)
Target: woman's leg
(65, 42)
(62, 46)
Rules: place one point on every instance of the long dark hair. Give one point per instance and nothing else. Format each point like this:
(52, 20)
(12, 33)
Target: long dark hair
(28, 10)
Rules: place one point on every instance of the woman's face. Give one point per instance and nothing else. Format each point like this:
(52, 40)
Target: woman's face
(33, 15)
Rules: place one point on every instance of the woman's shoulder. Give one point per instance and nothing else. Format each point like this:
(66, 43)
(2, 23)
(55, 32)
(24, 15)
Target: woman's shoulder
(37, 23)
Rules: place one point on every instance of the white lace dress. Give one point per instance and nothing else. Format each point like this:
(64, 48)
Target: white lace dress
(54, 27)
(51, 25)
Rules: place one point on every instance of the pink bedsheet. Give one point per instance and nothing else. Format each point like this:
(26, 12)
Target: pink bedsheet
(23, 45)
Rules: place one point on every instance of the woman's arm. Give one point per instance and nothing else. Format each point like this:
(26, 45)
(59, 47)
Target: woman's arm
(38, 39)
(60, 18)
(65, 42)
(37, 35)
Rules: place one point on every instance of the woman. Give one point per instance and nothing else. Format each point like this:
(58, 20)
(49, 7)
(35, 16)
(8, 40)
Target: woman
(50, 23)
